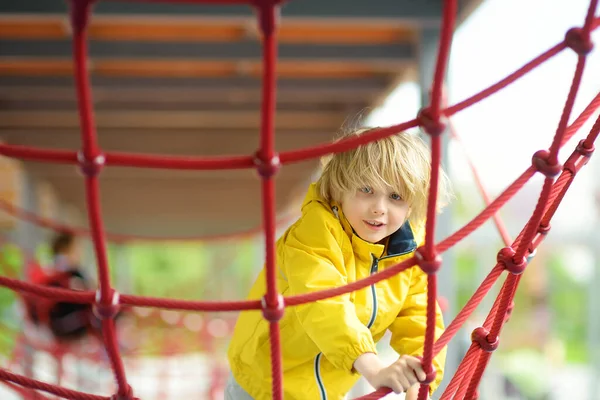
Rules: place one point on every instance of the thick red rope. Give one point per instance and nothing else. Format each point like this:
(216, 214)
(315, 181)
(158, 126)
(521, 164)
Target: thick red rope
(91, 161)
(267, 162)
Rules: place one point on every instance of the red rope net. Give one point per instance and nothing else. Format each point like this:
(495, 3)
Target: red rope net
(433, 119)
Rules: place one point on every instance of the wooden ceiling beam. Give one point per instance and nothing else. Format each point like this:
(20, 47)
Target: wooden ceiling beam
(207, 29)
(419, 12)
(192, 68)
(132, 119)
(166, 95)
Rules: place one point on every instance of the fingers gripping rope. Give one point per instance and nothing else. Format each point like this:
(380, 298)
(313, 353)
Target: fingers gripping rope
(432, 119)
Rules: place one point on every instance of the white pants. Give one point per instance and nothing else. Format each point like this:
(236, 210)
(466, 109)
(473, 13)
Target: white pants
(233, 391)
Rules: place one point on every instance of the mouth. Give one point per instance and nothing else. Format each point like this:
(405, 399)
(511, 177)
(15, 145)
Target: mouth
(373, 224)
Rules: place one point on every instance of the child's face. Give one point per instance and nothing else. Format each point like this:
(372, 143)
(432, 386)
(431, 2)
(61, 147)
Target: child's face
(374, 213)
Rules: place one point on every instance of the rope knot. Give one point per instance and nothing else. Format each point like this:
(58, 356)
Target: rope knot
(273, 313)
(584, 150)
(578, 41)
(481, 336)
(429, 265)
(267, 168)
(106, 310)
(506, 257)
(90, 167)
(434, 126)
(580, 157)
(540, 162)
(268, 15)
(80, 14)
(544, 229)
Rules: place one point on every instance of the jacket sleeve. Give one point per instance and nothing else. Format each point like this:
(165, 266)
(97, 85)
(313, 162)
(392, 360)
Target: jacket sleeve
(312, 261)
(408, 329)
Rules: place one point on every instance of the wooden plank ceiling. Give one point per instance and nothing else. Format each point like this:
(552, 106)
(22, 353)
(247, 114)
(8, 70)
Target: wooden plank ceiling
(185, 80)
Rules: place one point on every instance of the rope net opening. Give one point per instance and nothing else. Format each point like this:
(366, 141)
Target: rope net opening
(432, 119)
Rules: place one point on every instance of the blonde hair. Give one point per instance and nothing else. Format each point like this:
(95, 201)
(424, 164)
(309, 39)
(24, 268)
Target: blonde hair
(401, 162)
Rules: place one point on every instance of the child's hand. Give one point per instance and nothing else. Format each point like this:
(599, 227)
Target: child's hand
(406, 372)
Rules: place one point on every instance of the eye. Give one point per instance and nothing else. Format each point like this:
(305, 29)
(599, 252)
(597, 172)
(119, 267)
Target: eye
(366, 189)
(395, 196)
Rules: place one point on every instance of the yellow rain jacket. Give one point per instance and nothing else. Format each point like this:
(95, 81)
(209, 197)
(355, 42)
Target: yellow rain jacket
(321, 340)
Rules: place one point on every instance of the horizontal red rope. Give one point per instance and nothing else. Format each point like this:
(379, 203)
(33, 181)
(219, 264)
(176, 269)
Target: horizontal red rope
(36, 154)
(357, 285)
(173, 304)
(530, 66)
(186, 305)
(184, 163)
(23, 392)
(79, 297)
(345, 144)
(45, 387)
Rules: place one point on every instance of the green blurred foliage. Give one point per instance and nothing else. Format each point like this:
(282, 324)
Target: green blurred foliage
(569, 303)
(11, 262)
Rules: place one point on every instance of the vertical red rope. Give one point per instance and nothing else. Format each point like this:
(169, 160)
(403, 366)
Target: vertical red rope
(268, 163)
(91, 163)
(449, 17)
(435, 130)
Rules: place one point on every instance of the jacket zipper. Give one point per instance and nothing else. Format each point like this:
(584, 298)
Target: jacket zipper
(374, 268)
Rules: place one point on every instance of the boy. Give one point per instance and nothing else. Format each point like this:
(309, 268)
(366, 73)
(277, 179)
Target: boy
(366, 213)
(68, 320)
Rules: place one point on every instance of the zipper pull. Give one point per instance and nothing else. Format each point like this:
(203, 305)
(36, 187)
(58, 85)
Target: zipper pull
(375, 264)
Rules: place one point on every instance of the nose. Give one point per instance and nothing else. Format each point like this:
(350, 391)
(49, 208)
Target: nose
(378, 205)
